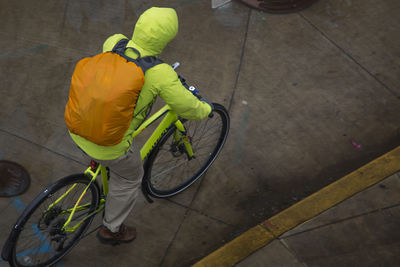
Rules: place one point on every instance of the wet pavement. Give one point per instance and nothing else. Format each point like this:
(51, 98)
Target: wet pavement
(312, 96)
(361, 231)
(351, 222)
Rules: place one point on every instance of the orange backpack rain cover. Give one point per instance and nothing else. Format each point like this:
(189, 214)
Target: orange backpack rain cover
(102, 97)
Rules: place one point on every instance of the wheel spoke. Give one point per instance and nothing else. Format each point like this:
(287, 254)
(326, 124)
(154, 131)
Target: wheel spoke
(171, 171)
(41, 234)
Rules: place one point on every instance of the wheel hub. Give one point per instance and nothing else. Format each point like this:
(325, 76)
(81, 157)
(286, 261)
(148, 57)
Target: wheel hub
(55, 226)
(178, 149)
(50, 215)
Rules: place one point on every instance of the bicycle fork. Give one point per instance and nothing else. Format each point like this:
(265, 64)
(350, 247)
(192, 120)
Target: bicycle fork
(180, 137)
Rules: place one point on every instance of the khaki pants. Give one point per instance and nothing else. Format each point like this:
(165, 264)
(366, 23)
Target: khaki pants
(126, 175)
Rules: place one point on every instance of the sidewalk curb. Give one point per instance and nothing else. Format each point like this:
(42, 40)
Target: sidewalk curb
(304, 210)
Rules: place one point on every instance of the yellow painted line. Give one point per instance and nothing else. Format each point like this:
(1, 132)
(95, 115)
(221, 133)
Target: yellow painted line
(238, 249)
(334, 193)
(257, 237)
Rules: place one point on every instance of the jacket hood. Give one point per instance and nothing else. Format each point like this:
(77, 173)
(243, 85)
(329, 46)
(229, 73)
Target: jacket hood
(155, 28)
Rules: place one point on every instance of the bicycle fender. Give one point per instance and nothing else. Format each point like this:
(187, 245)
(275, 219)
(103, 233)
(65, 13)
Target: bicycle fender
(6, 252)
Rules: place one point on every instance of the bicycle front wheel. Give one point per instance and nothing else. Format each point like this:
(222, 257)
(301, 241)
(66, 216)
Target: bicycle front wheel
(169, 169)
(37, 239)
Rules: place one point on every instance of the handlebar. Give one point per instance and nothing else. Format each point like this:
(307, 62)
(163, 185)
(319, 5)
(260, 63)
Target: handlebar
(175, 65)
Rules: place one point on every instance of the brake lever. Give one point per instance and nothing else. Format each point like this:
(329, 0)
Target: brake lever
(175, 65)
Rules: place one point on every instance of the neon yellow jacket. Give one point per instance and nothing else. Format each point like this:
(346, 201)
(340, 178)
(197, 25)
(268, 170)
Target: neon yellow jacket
(155, 28)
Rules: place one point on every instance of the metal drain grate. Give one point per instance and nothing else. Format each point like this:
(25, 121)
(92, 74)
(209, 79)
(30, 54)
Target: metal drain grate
(14, 179)
(279, 6)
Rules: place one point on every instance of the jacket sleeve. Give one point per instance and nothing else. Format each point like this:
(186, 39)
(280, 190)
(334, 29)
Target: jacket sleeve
(181, 100)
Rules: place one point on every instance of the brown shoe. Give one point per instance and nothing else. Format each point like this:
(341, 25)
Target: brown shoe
(125, 234)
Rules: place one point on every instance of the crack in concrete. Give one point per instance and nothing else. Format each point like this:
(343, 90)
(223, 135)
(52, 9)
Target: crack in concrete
(201, 213)
(189, 208)
(41, 146)
(343, 220)
(173, 238)
(24, 52)
(283, 242)
(180, 225)
(241, 59)
(391, 91)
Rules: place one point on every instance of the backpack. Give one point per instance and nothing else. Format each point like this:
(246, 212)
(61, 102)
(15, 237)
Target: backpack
(103, 94)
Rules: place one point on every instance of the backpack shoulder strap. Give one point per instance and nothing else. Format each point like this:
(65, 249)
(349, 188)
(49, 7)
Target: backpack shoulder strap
(120, 47)
(148, 62)
(144, 63)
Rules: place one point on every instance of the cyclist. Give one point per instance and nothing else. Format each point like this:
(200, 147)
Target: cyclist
(155, 28)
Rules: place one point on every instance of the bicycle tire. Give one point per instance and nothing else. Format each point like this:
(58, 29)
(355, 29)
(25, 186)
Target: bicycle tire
(42, 230)
(153, 187)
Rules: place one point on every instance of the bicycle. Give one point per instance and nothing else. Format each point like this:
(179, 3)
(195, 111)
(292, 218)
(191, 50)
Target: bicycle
(174, 157)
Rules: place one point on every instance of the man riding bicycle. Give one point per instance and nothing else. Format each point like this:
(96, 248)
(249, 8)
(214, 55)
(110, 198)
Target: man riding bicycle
(155, 28)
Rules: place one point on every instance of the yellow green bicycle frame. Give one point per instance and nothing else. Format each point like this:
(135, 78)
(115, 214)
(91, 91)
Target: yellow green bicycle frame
(171, 118)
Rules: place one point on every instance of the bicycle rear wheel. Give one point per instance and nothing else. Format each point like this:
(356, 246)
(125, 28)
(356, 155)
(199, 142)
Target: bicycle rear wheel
(37, 238)
(169, 170)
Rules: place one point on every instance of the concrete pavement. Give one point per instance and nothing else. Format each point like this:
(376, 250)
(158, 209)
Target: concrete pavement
(351, 222)
(312, 96)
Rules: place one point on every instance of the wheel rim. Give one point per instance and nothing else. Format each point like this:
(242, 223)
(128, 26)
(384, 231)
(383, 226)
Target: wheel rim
(41, 241)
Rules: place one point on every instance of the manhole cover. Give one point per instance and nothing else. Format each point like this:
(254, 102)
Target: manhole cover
(14, 179)
(279, 6)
